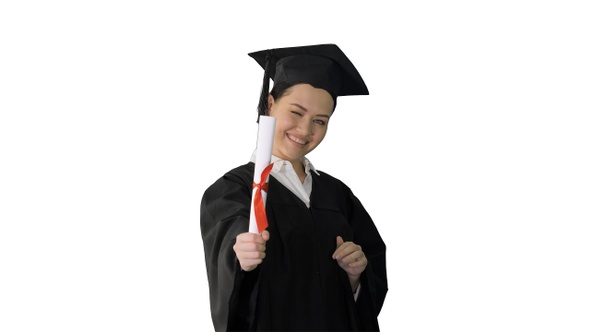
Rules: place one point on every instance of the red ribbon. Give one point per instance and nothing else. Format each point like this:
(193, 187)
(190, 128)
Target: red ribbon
(259, 207)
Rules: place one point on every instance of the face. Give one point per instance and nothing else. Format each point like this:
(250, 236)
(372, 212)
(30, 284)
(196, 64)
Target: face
(302, 116)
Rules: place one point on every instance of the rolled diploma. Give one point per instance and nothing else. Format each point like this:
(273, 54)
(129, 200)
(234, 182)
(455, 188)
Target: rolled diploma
(266, 133)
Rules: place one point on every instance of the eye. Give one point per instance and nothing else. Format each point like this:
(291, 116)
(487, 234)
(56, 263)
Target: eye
(296, 113)
(320, 122)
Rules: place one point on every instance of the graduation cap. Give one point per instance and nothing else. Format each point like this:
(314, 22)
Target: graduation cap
(323, 66)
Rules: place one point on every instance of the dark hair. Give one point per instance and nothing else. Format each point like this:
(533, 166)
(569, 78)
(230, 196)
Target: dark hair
(279, 89)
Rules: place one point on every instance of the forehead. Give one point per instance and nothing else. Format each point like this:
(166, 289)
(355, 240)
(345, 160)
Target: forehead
(310, 98)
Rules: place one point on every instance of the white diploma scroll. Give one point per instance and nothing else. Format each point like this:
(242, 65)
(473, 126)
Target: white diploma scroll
(266, 132)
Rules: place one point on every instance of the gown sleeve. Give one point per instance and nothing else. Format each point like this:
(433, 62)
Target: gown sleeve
(374, 279)
(225, 212)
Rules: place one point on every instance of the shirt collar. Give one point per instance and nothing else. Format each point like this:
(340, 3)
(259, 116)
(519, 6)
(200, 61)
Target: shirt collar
(278, 165)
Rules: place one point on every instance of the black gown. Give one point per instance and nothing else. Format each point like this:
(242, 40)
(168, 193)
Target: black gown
(298, 286)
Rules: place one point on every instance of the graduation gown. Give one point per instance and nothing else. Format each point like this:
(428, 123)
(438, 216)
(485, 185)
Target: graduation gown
(298, 286)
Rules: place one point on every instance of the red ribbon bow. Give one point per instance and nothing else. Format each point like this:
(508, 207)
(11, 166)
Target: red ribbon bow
(259, 207)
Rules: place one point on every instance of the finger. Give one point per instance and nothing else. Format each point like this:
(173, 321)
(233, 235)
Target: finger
(358, 261)
(352, 257)
(250, 237)
(249, 247)
(252, 246)
(339, 242)
(246, 237)
(265, 235)
(345, 249)
(252, 255)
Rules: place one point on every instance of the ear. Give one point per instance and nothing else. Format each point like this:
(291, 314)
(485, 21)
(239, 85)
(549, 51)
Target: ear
(271, 102)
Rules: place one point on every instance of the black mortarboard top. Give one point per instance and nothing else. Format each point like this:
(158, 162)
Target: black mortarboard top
(323, 66)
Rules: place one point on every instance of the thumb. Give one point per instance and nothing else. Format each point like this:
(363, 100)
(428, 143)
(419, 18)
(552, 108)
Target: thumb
(339, 241)
(265, 235)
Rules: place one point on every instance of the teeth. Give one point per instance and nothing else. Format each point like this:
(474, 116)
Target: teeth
(298, 140)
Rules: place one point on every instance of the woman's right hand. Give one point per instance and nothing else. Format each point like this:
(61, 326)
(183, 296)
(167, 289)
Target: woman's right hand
(250, 249)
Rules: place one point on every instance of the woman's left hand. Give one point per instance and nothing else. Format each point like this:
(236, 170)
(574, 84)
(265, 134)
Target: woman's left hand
(350, 258)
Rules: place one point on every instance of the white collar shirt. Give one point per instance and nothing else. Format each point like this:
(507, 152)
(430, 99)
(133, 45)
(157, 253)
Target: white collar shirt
(283, 172)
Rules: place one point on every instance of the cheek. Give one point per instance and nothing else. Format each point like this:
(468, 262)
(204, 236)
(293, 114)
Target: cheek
(320, 135)
(321, 131)
(285, 123)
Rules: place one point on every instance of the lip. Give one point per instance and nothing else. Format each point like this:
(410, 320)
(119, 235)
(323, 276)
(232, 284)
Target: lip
(297, 140)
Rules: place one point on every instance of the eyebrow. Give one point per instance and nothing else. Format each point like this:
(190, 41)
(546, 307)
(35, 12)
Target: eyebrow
(305, 109)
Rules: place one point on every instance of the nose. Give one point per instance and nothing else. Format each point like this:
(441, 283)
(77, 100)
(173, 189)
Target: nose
(305, 128)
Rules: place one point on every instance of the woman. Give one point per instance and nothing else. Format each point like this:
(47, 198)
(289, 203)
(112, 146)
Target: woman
(320, 265)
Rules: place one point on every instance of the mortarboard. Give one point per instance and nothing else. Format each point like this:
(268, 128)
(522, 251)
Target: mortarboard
(323, 66)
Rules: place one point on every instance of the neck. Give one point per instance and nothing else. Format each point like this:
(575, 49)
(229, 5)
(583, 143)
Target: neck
(299, 169)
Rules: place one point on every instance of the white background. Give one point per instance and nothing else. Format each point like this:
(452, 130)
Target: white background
(471, 153)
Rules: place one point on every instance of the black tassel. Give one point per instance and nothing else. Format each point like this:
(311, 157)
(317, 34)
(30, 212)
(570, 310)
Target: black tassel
(263, 102)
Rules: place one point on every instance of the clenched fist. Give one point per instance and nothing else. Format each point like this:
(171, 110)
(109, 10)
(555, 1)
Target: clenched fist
(250, 249)
(350, 258)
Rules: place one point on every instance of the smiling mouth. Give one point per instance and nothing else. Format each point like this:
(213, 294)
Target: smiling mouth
(296, 140)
